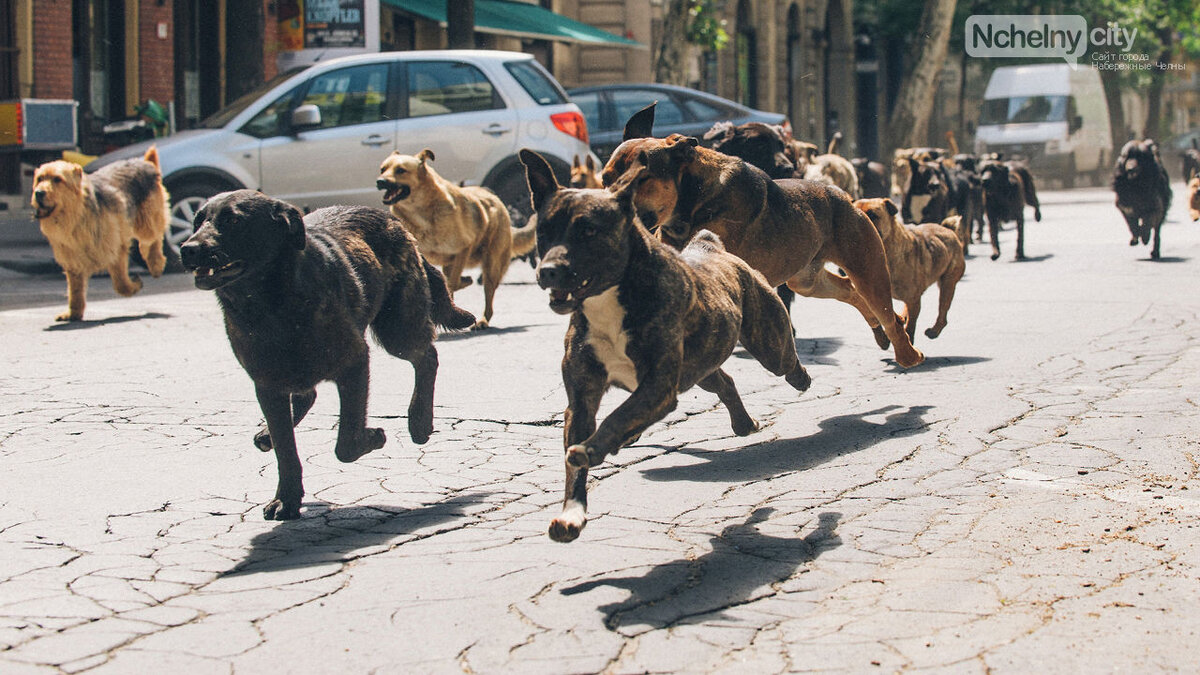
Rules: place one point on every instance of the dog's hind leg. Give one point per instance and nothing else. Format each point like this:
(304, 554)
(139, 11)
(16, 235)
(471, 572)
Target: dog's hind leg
(278, 410)
(994, 232)
(152, 254)
(1158, 218)
(404, 328)
(301, 404)
(912, 308)
(123, 282)
(765, 334)
(354, 438)
(420, 407)
(1020, 255)
(722, 385)
(77, 284)
(946, 285)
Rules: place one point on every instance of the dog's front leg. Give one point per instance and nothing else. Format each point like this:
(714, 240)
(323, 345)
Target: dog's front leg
(585, 382)
(420, 407)
(654, 398)
(1021, 235)
(277, 408)
(994, 232)
(354, 438)
(77, 284)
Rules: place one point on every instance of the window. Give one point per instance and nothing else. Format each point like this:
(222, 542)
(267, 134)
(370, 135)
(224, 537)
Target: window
(442, 87)
(356, 95)
(589, 104)
(1023, 109)
(704, 111)
(271, 120)
(628, 101)
(534, 81)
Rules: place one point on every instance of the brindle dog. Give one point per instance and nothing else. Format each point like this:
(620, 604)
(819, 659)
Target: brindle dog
(786, 229)
(644, 318)
(298, 294)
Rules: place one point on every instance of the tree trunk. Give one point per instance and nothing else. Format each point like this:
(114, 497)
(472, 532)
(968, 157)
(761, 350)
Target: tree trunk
(1111, 82)
(908, 125)
(669, 65)
(460, 24)
(1154, 95)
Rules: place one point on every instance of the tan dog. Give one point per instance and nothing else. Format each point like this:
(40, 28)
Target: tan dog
(584, 175)
(829, 168)
(918, 256)
(1193, 198)
(90, 220)
(455, 227)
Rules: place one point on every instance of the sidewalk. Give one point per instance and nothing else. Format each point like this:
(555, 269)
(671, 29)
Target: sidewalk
(23, 249)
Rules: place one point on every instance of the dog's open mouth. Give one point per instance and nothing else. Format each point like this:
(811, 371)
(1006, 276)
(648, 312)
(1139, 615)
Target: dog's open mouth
(209, 278)
(393, 192)
(43, 212)
(565, 301)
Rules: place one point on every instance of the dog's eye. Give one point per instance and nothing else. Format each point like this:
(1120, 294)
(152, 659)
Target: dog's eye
(56, 179)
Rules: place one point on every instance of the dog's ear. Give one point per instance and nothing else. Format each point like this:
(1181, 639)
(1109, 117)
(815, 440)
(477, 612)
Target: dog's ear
(683, 148)
(890, 206)
(625, 187)
(426, 155)
(542, 183)
(720, 131)
(591, 163)
(575, 162)
(641, 124)
(293, 222)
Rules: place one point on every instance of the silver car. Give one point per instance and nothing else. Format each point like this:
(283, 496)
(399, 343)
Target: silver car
(316, 136)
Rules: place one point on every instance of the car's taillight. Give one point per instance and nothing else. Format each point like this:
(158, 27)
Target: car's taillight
(571, 124)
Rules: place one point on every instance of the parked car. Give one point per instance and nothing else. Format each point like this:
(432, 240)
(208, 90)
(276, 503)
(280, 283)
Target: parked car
(679, 111)
(316, 136)
(1052, 114)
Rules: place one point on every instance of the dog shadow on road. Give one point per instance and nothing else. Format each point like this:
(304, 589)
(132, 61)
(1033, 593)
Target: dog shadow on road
(839, 435)
(328, 534)
(1166, 259)
(935, 362)
(742, 560)
(812, 351)
(88, 323)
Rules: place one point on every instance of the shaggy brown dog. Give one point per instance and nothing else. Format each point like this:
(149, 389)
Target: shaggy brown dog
(456, 227)
(828, 168)
(584, 175)
(918, 256)
(786, 229)
(90, 220)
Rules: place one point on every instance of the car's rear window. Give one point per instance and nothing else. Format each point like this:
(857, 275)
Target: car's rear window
(536, 82)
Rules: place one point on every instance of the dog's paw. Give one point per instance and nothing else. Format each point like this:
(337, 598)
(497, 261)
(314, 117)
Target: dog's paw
(583, 456)
(567, 526)
(995, 254)
(745, 427)
(420, 429)
(799, 378)
(262, 441)
(881, 337)
(277, 510)
(932, 334)
(910, 359)
(372, 438)
(481, 324)
(68, 316)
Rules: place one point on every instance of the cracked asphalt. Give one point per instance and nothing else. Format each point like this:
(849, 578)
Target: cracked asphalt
(1027, 500)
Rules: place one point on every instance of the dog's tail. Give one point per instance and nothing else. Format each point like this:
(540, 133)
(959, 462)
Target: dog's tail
(152, 156)
(442, 309)
(833, 143)
(952, 143)
(524, 238)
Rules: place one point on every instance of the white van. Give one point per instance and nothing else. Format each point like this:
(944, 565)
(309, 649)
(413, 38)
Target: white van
(1051, 115)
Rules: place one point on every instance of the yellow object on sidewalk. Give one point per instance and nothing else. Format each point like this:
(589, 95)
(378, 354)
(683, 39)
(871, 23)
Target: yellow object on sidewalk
(78, 157)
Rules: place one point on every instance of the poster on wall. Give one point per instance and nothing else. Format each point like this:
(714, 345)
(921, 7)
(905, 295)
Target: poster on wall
(291, 25)
(333, 23)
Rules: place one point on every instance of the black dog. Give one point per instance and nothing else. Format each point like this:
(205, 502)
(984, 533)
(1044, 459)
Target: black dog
(756, 143)
(1143, 191)
(645, 318)
(928, 197)
(1191, 161)
(1007, 188)
(872, 178)
(298, 294)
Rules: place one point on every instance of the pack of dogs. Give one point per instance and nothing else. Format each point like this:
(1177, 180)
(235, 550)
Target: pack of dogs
(666, 258)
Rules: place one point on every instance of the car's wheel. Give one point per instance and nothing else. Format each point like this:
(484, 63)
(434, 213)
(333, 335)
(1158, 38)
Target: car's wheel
(186, 200)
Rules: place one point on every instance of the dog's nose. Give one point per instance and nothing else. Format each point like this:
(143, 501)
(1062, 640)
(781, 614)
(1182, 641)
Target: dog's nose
(553, 275)
(382, 184)
(39, 195)
(191, 253)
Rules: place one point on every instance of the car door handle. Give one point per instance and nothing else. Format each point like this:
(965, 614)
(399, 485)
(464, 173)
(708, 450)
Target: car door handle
(374, 140)
(496, 130)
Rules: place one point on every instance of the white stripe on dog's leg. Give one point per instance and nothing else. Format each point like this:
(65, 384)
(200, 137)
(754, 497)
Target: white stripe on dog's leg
(567, 526)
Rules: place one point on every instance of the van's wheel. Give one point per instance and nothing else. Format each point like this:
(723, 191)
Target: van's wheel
(186, 200)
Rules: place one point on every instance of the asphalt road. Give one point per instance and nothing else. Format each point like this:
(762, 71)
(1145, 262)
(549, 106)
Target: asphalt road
(1026, 500)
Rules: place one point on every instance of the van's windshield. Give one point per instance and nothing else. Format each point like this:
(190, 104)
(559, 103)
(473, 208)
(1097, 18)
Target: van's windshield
(1023, 109)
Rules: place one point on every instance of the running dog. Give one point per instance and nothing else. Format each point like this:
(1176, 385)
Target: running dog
(298, 294)
(1143, 192)
(1193, 192)
(583, 175)
(645, 318)
(456, 227)
(1007, 189)
(90, 220)
(918, 256)
(787, 229)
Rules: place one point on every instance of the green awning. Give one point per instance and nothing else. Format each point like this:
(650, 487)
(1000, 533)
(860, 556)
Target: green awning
(518, 19)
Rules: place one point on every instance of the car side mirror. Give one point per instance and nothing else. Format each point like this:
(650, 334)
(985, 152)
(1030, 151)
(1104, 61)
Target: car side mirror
(1076, 124)
(306, 116)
